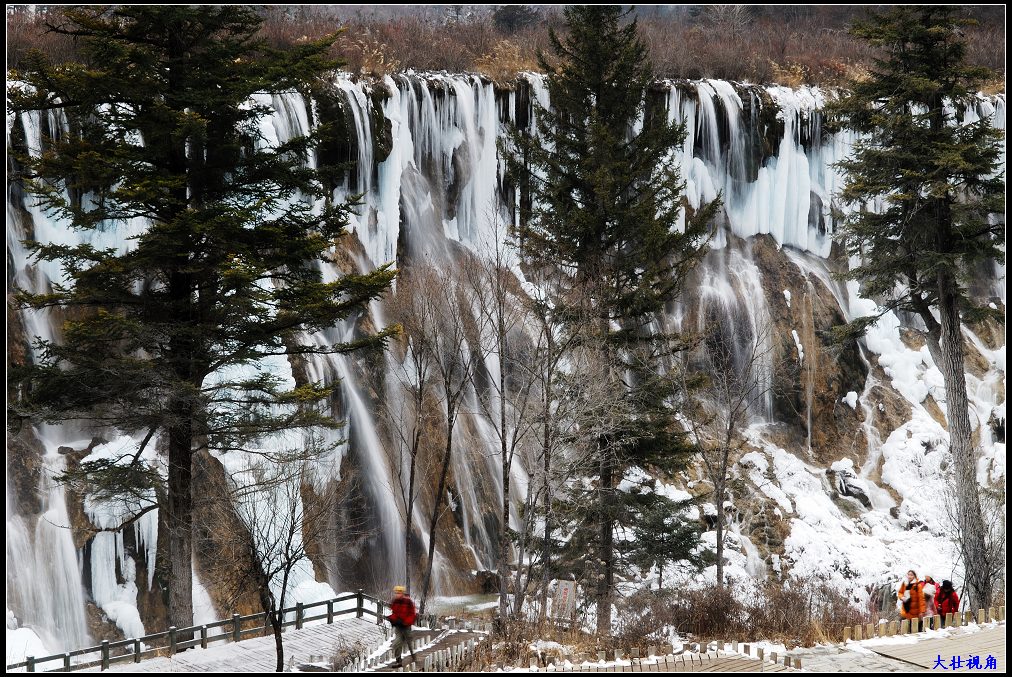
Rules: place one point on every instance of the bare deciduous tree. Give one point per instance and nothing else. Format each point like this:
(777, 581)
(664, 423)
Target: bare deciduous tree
(507, 396)
(434, 324)
(280, 512)
(411, 412)
(992, 504)
(737, 368)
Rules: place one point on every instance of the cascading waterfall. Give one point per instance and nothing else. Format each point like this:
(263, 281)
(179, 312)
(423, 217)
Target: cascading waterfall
(434, 191)
(44, 586)
(731, 298)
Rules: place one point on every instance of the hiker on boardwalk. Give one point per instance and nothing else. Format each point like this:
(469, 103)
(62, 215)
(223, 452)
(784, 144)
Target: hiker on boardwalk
(401, 616)
(911, 597)
(947, 601)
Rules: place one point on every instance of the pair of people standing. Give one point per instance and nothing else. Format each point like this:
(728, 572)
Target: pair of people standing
(924, 599)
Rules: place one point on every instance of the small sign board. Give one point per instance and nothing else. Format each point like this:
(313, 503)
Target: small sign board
(564, 602)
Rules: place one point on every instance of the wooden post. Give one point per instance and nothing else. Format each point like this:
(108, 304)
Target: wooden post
(991, 615)
(760, 652)
(734, 646)
(66, 659)
(31, 663)
(360, 603)
(857, 632)
(797, 663)
(330, 611)
(980, 617)
(846, 634)
(651, 651)
(236, 628)
(105, 654)
(203, 637)
(299, 612)
(600, 656)
(773, 657)
(892, 628)
(172, 640)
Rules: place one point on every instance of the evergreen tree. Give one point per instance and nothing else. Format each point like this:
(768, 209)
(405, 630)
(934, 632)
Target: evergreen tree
(165, 338)
(661, 535)
(941, 218)
(602, 202)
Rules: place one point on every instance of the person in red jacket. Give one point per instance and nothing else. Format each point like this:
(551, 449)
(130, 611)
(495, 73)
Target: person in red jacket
(947, 601)
(401, 616)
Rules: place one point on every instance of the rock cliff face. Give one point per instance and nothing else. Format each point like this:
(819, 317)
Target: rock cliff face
(839, 474)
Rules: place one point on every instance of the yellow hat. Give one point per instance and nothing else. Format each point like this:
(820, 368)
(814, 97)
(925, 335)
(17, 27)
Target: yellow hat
(399, 588)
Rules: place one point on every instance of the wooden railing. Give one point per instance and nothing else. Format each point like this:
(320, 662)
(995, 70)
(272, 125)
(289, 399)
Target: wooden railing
(908, 626)
(235, 629)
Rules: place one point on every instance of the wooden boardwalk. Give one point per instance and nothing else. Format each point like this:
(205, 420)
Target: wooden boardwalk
(258, 654)
(444, 643)
(712, 661)
(314, 646)
(926, 653)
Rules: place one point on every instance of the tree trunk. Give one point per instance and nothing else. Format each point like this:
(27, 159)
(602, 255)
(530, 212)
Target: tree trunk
(279, 647)
(504, 530)
(547, 442)
(407, 523)
(546, 546)
(180, 522)
(720, 534)
(972, 532)
(606, 551)
(435, 514)
(504, 537)
(520, 582)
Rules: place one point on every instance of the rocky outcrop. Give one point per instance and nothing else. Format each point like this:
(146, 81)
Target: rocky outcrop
(809, 389)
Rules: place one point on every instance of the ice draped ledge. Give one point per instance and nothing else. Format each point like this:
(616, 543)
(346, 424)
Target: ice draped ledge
(425, 146)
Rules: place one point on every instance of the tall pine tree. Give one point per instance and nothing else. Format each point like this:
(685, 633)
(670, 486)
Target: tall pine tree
(166, 340)
(605, 203)
(942, 214)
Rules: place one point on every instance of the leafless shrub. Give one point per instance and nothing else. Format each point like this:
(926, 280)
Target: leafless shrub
(796, 612)
(504, 62)
(370, 57)
(734, 42)
(344, 652)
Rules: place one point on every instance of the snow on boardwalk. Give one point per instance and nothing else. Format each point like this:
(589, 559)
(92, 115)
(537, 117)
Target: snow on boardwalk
(926, 654)
(911, 653)
(258, 654)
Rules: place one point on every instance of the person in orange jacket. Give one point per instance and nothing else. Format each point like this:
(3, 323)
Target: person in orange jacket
(911, 597)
